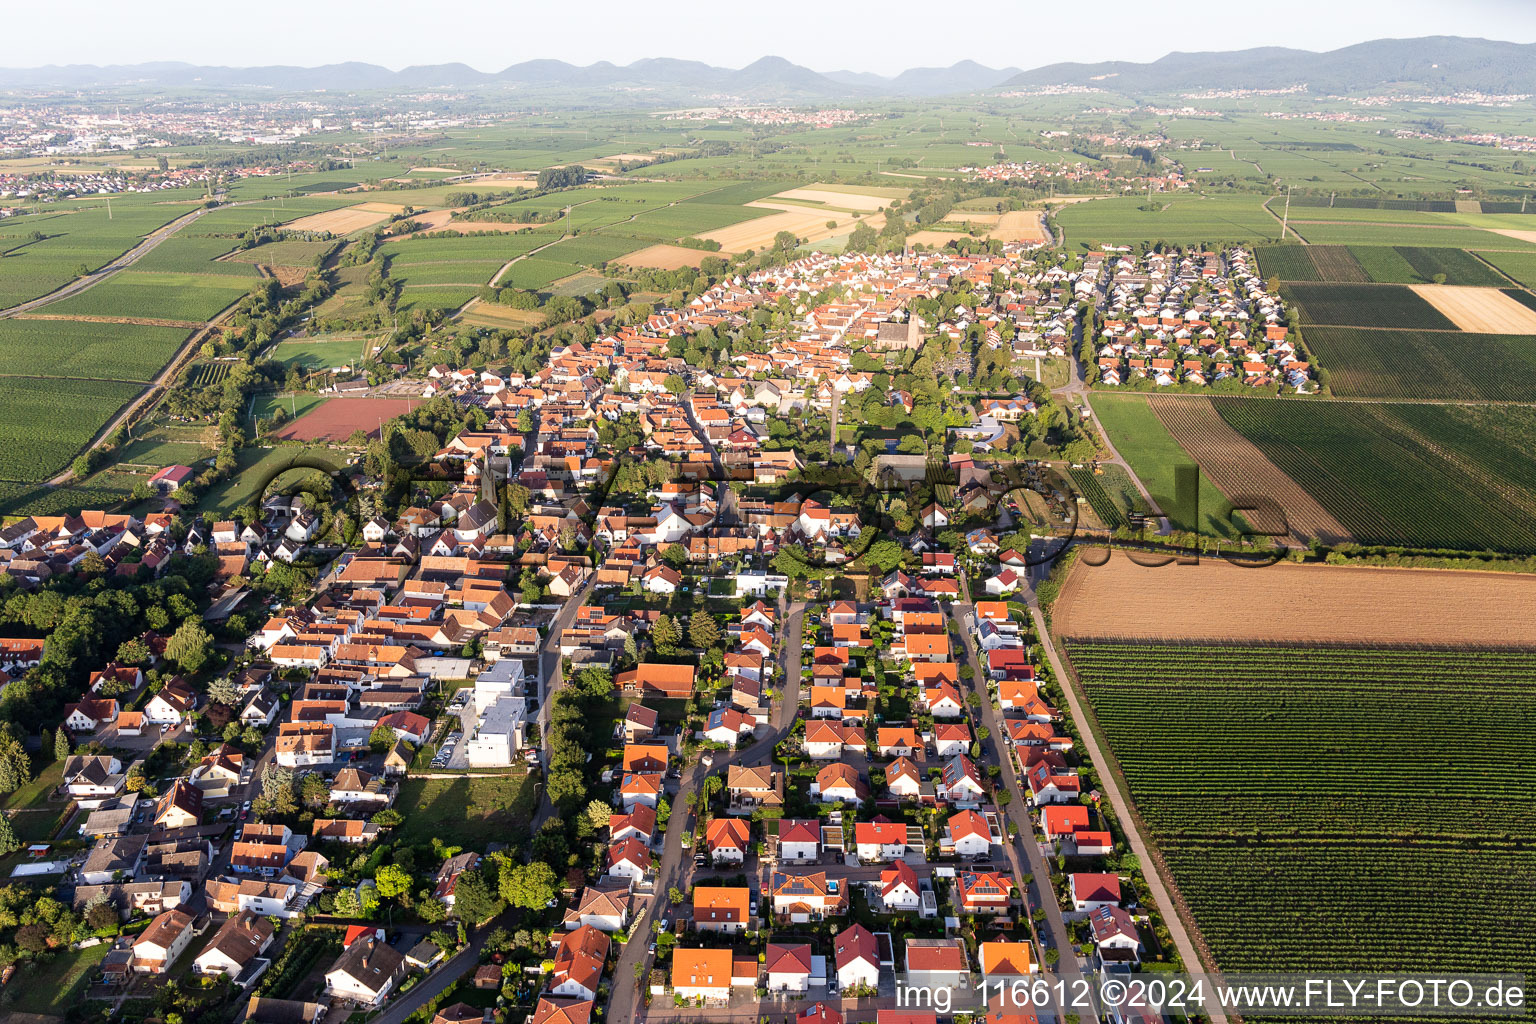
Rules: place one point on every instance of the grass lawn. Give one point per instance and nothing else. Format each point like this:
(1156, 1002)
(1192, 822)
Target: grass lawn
(58, 984)
(256, 467)
(469, 811)
(1140, 437)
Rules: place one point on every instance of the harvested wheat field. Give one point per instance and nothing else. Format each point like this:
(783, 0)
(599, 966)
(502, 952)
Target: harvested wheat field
(1290, 603)
(665, 257)
(1020, 226)
(1479, 310)
(973, 217)
(491, 314)
(389, 208)
(1518, 234)
(864, 203)
(1242, 472)
(810, 225)
(341, 222)
(937, 239)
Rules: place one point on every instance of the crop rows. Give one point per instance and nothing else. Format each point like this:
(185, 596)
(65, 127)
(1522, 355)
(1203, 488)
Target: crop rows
(44, 422)
(207, 375)
(1306, 838)
(82, 348)
(1407, 205)
(1426, 364)
(1103, 505)
(1365, 305)
(1452, 477)
(135, 293)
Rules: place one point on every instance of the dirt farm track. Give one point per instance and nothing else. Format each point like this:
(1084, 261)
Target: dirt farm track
(1291, 603)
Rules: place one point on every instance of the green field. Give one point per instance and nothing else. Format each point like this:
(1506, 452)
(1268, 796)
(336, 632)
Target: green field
(185, 254)
(1306, 839)
(1394, 234)
(284, 254)
(293, 405)
(161, 296)
(473, 811)
(591, 250)
(1365, 305)
(79, 348)
(1450, 365)
(320, 352)
(1179, 219)
(1423, 476)
(1519, 265)
(256, 468)
(45, 422)
(536, 272)
(1142, 440)
(75, 233)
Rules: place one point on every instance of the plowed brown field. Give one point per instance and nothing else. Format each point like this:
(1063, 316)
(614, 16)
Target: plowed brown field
(1290, 603)
(1240, 470)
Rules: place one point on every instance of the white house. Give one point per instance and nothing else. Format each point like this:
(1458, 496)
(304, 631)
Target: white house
(366, 972)
(969, 834)
(857, 959)
(788, 968)
(241, 940)
(799, 840)
(899, 890)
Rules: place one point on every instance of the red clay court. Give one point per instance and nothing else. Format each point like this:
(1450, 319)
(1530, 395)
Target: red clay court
(339, 417)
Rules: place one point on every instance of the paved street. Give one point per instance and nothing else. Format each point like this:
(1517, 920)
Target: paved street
(1150, 870)
(671, 871)
(1056, 935)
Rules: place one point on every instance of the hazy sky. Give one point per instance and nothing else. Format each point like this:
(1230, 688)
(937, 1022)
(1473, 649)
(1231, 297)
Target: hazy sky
(826, 35)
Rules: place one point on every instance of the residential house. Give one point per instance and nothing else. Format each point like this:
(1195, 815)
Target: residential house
(857, 957)
(158, 946)
(788, 967)
(366, 972)
(725, 909)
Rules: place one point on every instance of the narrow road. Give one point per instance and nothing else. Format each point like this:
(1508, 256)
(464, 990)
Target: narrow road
(551, 674)
(1018, 809)
(446, 974)
(1162, 895)
(622, 1005)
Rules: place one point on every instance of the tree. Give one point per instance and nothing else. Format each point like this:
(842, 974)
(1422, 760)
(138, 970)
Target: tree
(473, 898)
(15, 764)
(381, 739)
(314, 792)
(675, 555)
(703, 631)
(665, 634)
(190, 646)
(530, 886)
(8, 841)
(393, 881)
(598, 813)
(100, 913)
(61, 744)
(224, 691)
(675, 384)
(132, 652)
